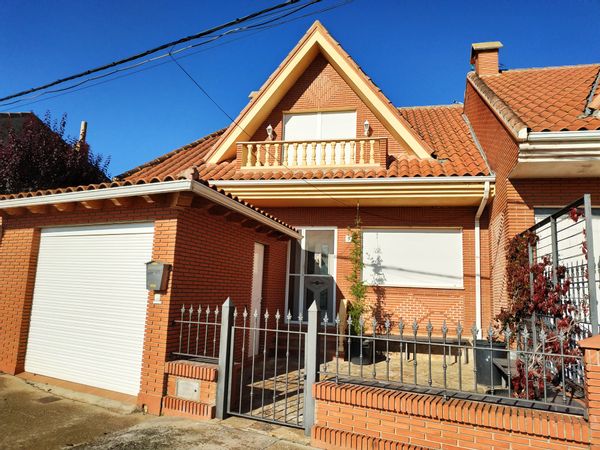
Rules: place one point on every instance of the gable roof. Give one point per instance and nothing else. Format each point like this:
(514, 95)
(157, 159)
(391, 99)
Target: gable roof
(542, 99)
(316, 40)
(441, 127)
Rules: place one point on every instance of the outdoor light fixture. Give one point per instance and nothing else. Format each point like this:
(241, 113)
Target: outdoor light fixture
(270, 132)
(367, 127)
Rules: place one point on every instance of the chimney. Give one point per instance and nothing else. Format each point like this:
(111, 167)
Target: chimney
(484, 56)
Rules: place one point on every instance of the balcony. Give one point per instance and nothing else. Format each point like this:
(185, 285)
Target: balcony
(311, 154)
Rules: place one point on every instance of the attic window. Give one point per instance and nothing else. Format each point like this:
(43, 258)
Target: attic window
(316, 126)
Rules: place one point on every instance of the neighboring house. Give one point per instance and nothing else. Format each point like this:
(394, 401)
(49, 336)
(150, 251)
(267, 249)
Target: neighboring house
(438, 189)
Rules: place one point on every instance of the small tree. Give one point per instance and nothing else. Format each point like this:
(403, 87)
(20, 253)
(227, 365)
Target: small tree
(546, 307)
(40, 156)
(358, 289)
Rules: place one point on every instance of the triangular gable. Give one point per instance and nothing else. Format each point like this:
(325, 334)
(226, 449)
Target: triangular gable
(316, 40)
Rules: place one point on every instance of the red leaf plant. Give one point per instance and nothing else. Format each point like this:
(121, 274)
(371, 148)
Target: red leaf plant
(546, 307)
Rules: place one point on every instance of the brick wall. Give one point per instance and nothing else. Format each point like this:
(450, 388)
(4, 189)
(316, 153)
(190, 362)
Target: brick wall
(512, 209)
(211, 257)
(321, 87)
(358, 417)
(205, 375)
(409, 303)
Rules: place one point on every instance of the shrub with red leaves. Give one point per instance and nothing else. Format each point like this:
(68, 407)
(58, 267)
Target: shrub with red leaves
(547, 303)
(40, 156)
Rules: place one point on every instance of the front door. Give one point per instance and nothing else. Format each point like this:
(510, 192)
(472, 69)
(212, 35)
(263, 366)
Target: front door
(257, 286)
(312, 272)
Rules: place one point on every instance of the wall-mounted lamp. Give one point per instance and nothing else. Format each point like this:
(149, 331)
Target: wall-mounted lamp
(270, 132)
(366, 127)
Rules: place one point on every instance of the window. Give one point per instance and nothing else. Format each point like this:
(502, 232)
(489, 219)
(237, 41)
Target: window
(319, 126)
(413, 258)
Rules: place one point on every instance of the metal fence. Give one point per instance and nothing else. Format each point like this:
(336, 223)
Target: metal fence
(566, 240)
(199, 330)
(267, 360)
(505, 368)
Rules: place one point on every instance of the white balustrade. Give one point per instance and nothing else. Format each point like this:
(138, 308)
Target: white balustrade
(303, 154)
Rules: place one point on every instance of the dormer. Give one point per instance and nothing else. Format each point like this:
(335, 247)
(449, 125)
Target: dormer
(318, 109)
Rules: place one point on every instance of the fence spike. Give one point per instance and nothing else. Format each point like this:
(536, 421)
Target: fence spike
(325, 318)
(300, 317)
(266, 316)
(401, 327)
(277, 315)
(459, 329)
(337, 319)
(491, 332)
(349, 322)
(235, 312)
(245, 313)
(255, 313)
(415, 326)
(429, 327)
(182, 309)
(374, 323)
(474, 332)
(444, 328)
(361, 321)
(387, 325)
(216, 312)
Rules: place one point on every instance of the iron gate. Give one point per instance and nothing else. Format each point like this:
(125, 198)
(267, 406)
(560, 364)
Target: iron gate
(265, 366)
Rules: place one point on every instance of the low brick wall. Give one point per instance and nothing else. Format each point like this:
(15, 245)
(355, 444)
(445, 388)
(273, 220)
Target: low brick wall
(356, 417)
(205, 375)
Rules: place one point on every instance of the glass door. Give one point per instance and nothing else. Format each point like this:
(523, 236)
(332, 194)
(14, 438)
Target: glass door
(312, 272)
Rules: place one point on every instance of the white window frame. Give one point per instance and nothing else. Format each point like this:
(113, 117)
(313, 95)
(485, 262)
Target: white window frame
(319, 115)
(302, 230)
(417, 286)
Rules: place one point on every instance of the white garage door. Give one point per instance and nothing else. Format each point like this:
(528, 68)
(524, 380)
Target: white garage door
(89, 305)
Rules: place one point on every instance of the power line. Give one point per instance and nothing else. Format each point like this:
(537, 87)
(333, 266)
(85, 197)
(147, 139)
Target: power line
(156, 49)
(259, 27)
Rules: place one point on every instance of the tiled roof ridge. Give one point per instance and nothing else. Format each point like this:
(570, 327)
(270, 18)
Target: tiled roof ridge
(526, 69)
(450, 105)
(116, 184)
(169, 154)
(512, 121)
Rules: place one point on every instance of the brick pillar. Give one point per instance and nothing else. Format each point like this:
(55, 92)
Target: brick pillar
(591, 349)
(154, 379)
(18, 261)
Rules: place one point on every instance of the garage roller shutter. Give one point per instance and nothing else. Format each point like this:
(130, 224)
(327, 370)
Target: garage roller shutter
(89, 305)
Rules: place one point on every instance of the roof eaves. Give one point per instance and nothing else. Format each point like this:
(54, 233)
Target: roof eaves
(508, 117)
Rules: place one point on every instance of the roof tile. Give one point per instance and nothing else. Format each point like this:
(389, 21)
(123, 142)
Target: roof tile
(550, 98)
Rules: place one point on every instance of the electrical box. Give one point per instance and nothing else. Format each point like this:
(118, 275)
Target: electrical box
(157, 275)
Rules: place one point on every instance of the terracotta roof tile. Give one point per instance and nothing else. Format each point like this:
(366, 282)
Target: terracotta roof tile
(546, 99)
(139, 181)
(442, 127)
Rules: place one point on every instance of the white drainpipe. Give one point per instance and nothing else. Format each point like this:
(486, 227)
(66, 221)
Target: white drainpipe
(484, 200)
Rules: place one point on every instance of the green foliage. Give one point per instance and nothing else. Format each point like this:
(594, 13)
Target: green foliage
(358, 289)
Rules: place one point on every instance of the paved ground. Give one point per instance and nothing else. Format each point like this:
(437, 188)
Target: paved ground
(31, 418)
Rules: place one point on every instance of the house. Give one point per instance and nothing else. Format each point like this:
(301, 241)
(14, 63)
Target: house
(261, 212)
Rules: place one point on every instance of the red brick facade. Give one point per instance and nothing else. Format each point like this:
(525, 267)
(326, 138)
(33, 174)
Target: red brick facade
(422, 304)
(321, 88)
(512, 209)
(211, 257)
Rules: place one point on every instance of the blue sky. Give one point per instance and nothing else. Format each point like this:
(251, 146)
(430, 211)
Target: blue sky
(417, 52)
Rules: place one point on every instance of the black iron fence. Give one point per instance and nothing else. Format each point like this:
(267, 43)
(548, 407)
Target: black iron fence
(531, 367)
(199, 330)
